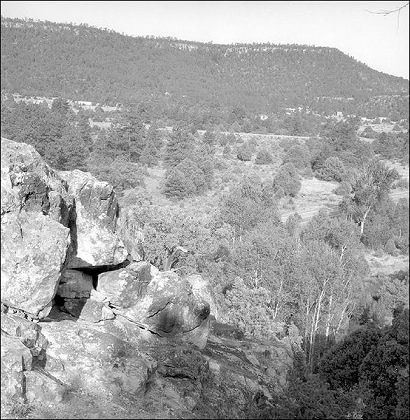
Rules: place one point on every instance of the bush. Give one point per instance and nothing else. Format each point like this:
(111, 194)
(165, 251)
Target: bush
(333, 169)
(227, 150)
(298, 156)
(287, 179)
(120, 173)
(250, 310)
(175, 184)
(390, 247)
(263, 157)
(244, 153)
(342, 189)
(369, 133)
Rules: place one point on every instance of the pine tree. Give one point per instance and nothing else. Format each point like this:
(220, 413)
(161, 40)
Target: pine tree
(179, 147)
(175, 184)
(70, 151)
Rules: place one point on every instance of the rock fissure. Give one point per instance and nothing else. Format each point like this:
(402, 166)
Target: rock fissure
(139, 324)
(158, 311)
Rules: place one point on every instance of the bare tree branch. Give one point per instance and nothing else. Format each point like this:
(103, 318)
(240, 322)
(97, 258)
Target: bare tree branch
(388, 12)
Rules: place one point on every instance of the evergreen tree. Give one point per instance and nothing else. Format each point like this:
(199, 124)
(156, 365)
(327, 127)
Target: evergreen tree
(70, 151)
(179, 146)
(175, 184)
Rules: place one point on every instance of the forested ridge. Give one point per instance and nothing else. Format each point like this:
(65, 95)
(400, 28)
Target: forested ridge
(85, 63)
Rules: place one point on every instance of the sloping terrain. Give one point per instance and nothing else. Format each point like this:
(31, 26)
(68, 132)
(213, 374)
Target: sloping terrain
(81, 62)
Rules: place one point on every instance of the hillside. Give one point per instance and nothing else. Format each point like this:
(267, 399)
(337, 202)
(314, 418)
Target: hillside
(85, 63)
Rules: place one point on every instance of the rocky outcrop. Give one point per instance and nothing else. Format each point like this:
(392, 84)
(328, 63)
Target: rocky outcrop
(33, 251)
(51, 221)
(95, 240)
(75, 284)
(95, 360)
(164, 304)
(125, 287)
(86, 323)
(35, 238)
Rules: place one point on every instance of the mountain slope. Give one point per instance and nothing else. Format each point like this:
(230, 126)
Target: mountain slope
(80, 62)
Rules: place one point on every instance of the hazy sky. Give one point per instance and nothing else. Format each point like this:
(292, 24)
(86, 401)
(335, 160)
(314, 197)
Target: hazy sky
(382, 42)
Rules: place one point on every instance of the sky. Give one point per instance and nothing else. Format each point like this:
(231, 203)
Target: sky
(381, 42)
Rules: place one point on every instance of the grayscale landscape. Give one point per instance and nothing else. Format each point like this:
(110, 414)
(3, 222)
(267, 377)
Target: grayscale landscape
(199, 229)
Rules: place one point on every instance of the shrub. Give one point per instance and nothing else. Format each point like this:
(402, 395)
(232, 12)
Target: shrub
(333, 169)
(342, 189)
(287, 179)
(298, 155)
(244, 153)
(227, 150)
(263, 157)
(251, 311)
(390, 247)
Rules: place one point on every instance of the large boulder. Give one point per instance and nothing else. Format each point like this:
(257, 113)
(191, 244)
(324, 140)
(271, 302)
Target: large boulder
(125, 287)
(164, 304)
(95, 237)
(94, 360)
(201, 288)
(33, 251)
(29, 333)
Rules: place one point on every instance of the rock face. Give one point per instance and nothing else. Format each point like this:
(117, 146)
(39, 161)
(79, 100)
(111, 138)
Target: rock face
(50, 221)
(125, 287)
(35, 239)
(164, 304)
(94, 358)
(33, 251)
(96, 243)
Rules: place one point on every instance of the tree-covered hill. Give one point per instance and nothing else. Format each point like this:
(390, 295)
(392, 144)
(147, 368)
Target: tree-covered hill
(81, 62)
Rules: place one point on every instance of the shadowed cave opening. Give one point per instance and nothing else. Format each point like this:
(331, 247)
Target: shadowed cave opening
(72, 307)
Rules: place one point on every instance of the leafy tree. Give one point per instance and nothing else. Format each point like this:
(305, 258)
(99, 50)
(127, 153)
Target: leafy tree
(370, 186)
(287, 179)
(171, 231)
(298, 156)
(342, 134)
(333, 169)
(247, 204)
(250, 310)
(120, 173)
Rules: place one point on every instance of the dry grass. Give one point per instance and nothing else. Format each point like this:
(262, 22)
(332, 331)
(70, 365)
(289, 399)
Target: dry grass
(313, 196)
(386, 264)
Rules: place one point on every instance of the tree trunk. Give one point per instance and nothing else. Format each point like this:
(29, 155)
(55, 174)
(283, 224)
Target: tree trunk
(362, 222)
(329, 317)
